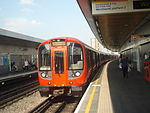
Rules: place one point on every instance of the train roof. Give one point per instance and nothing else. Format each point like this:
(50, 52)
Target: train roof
(89, 47)
(75, 39)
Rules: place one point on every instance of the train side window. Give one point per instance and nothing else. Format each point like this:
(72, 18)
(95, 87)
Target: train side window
(75, 56)
(44, 56)
(98, 57)
(88, 57)
(92, 61)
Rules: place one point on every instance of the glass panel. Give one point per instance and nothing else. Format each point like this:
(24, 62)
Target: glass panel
(134, 56)
(59, 62)
(45, 57)
(75, 56)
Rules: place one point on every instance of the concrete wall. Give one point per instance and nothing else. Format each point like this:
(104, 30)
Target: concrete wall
(17, 50)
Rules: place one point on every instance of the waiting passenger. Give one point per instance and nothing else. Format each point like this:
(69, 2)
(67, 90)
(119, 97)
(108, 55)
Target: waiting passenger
(26, 65)
(125, 64)
(14, 67)
(120, 58)
(146, 56)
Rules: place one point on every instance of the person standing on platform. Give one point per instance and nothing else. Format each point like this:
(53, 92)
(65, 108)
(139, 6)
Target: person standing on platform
(26, 64)
(14, 67)
(120, 67)
(125, 63)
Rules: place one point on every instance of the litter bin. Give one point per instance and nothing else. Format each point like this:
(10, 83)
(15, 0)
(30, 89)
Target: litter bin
(147, 70)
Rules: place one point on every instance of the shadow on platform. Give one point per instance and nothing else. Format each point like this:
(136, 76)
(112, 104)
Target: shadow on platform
(130, 95)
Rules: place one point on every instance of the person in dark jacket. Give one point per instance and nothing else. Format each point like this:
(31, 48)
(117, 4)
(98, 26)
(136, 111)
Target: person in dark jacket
(124, 64)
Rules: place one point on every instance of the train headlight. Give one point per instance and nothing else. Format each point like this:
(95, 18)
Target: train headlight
(43, 74)
(74, 74)
(46, 74)
(77, 74)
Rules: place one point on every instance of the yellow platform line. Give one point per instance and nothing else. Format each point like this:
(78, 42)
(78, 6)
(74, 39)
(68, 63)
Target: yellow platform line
(91, 98)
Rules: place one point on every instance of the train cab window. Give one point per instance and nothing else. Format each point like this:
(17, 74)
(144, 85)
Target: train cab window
(59, 62)
(45, 57)
(75, 56)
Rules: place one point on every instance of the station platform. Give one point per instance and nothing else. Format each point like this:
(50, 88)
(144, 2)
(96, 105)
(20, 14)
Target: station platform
(111, 93)
(16, 75)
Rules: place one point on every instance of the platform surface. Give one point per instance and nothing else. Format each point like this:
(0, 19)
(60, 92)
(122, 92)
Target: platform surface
(111, 93)
(16, 75)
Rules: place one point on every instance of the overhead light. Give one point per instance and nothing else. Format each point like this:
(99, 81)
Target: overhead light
(126, 25)
(96, 23)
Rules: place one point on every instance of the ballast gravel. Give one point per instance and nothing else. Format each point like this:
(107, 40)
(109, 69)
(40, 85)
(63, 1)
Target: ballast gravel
(24, 105)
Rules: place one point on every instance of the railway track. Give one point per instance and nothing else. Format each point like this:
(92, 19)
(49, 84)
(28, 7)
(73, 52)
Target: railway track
(56, 105)
(10, 96)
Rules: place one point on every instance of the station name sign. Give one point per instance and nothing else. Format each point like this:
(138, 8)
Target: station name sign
(119, 6)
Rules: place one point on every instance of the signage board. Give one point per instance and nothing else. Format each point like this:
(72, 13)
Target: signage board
(5, 60)
(119, 6)
(1, 60)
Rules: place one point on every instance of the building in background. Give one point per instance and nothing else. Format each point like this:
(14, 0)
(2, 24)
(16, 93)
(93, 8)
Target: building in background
(96, 45)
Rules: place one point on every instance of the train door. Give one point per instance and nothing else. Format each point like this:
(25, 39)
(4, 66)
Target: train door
(59, 64)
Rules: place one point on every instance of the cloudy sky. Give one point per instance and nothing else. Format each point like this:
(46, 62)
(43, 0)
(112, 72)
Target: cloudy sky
(45, 18)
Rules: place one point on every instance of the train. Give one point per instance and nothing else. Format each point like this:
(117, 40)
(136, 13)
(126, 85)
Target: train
(66, 65)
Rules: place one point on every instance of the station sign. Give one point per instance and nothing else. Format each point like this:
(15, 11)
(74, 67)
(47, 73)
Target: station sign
(4, 60)
(1, 60)
(119, 6)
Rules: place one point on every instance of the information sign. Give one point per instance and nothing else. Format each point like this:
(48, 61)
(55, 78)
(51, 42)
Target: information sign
(119, 6)
(1, 60)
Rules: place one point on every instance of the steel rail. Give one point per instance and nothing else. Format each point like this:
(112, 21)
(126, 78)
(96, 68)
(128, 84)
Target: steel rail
(60, 108)
(42, 107)
(12, 96)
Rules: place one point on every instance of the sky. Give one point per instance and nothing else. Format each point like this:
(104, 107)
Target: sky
(45, 19)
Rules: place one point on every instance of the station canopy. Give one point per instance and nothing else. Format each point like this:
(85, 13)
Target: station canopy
(17, 39)
(114, 21)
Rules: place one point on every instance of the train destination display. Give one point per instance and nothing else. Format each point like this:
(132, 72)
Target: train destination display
(58, 42)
